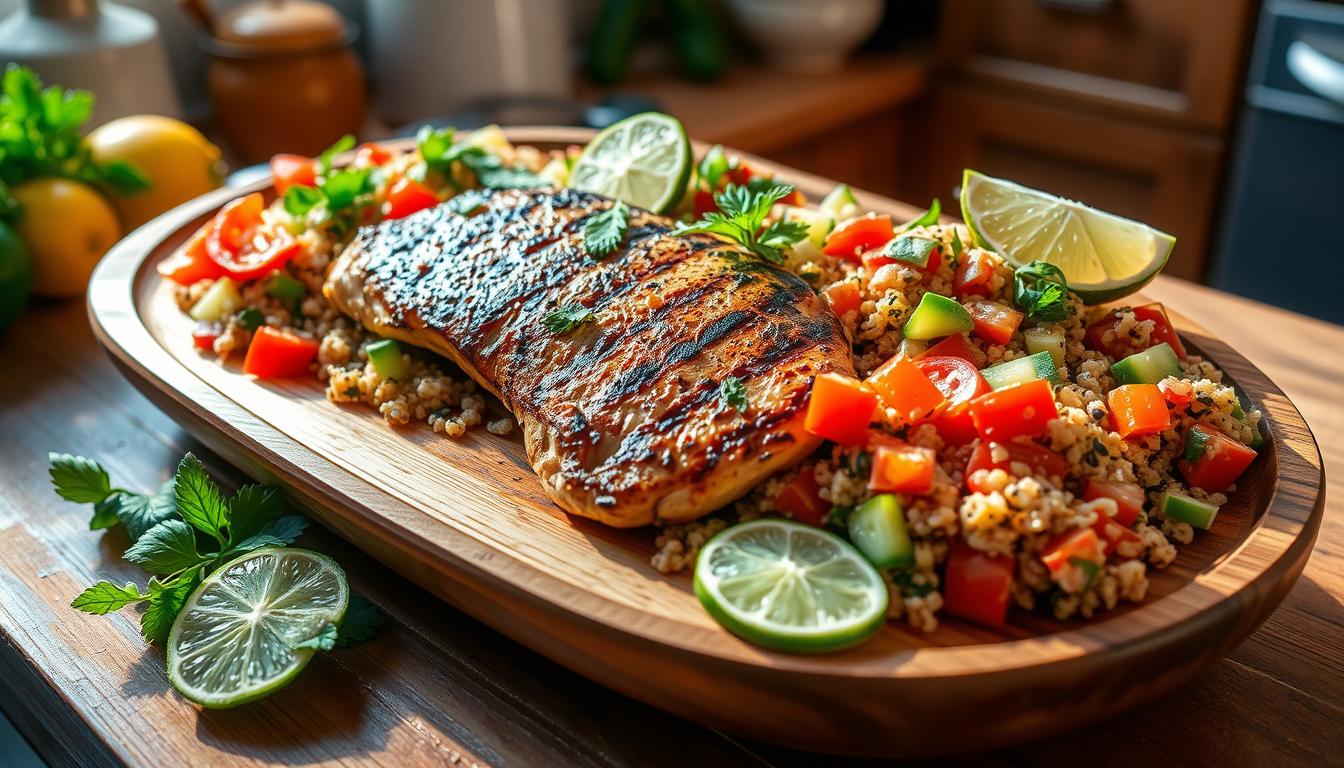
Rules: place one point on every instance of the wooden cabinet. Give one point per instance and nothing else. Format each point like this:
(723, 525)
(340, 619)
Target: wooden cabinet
(1124, 104)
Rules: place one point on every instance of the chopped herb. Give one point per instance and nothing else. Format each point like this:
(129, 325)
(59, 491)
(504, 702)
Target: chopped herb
(912, 250)
(566, 319)
(957, 247)
(1088, 567)
(467, 203)
(733, 393)
(742, 213)
(299, 200)
(911, 583)
(1042, 291)
(605, 230)
(925, 219)
(1196, 443)
(251, 319)
(1099, 447)
(712, 167)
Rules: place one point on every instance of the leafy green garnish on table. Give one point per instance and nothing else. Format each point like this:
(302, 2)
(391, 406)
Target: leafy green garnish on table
(605, 230)
(41, 135)
(741, 216)
(180, 534)
(566, 319)
(1041, 290)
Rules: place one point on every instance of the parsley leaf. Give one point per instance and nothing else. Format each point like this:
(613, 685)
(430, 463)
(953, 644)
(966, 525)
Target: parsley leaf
(324, 160)
(107, 513)
(733, 393)
(278, 533)
(105, 597)
(1042, 291)
(347, 187)
(168, 547)
(251, 509)
(299, 200)
(957, 247)
(606, 229)
(491, 172)
(742, 212)
(77, 479)
(566, 319)
(361, 622)
(713, 166)
(925, 219)
(199, 501)
(165, 602)
(140, 512)
(324, 640)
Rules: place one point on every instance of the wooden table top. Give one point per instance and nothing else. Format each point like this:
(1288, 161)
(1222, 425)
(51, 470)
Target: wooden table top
(438, 688)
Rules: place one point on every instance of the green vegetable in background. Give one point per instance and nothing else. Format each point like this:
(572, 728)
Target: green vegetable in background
(41, 136)
(696, 38)
(613, 38)
(15, 275)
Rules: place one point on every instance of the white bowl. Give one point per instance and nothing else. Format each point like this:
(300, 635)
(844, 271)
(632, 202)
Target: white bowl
(807, 36)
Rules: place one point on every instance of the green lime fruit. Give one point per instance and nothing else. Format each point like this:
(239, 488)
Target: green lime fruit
(644, 160)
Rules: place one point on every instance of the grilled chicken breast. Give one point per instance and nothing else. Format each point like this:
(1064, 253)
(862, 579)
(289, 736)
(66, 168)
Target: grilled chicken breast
(625, 417)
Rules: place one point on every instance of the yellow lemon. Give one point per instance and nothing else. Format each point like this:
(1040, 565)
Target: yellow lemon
(180, 162)
(67, 227)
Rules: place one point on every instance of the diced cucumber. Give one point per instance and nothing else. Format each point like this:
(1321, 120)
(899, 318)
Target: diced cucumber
(1036, 366)
(1257, 438)
(285, 288)
(1046, 340)
(1182, 508)
(912, 250)
(819, 223)
(912, 348)
(387, 360)
(877, 529)
(1149, 366)
(219, 300)
(937, 316)
(840, 203)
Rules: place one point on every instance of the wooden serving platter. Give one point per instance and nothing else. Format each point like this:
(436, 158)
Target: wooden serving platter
(467, 520)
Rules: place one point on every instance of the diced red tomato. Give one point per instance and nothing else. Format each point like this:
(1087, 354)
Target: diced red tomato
(1079, 543)
(1117, 539)
(1176, 391)
(232, 242)
(1162, 327)
(275, 354)
(795, 198)
(902, 386)
(973, 274)
(292, 171)
(977, 586)
(952, 346)
(901, 469)
(204, 335)
(843, 297)
(840, 409)
(1223, 461)
(407, 196)
(1128, 498)
(801, 499)
(994, 322)
(1041, 462)
(371, 154)
(858, 235)
(1138, 409)
(1019, 409)
(960, 383)
(739, 173)
(704, 202)
(190, 263)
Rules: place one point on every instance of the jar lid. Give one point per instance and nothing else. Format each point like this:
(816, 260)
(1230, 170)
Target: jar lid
(282, 26)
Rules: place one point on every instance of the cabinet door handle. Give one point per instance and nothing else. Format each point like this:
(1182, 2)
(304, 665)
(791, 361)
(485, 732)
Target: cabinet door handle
(1318, 72)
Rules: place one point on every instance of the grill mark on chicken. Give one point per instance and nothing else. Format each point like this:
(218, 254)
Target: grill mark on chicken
(622, 418)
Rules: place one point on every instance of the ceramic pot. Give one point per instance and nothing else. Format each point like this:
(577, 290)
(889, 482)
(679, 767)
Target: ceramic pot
(807, 36)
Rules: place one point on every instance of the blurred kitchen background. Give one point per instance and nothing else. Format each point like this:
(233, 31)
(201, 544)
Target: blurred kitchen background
(1220, 121)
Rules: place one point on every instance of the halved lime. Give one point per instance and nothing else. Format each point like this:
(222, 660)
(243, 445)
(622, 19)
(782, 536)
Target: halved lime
(234, 640)
(1103, 256)
(790, 586)
(644, 160)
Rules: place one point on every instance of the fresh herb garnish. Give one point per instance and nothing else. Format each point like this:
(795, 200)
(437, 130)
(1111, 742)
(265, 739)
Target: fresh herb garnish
(443, 155)
(251, 318)
(712, 167)
(742, 213)
(957, 247)
(1196, 443)
(41, 135)
(912, 250)
(566, 319)
(466, 203)
(605, 230)
(340, 196)
(1088, 567)
(925, 219)
(1042, 291)
(178, 535)
(733, 393)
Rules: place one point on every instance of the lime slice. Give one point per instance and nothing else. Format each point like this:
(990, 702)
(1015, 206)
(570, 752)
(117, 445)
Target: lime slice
(234, 640)
(1103, 256)
(790, 586)
(644, 160)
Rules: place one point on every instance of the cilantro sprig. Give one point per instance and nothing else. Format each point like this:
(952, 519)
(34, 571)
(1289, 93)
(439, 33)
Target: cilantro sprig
(1041, 290)
(445, 155)
(733, 393)
(41, 135)
(566, 319)
(341, 195)
(605, 230)
(179, 534)
(741, 216)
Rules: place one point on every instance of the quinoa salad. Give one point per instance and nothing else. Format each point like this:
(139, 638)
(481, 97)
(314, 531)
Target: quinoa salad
(1122, 444)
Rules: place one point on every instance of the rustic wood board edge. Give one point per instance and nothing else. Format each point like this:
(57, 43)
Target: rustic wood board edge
(712, 677)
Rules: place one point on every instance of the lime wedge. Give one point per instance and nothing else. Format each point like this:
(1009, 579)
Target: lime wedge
(644, 160)
(1103, 256)
(790, 586)
(234, 640)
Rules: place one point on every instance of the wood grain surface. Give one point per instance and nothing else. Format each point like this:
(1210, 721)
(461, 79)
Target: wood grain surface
(439, 684)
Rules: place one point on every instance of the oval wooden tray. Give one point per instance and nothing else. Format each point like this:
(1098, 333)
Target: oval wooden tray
(467, 520)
